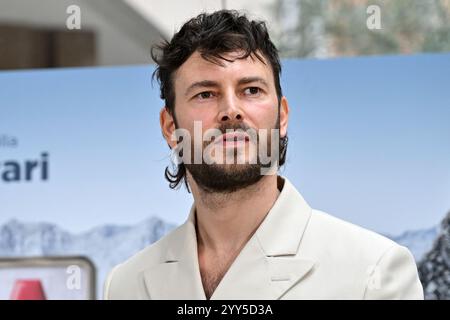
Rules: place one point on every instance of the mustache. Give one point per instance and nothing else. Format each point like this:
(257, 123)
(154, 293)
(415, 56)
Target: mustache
(233, 126)
(229, 126)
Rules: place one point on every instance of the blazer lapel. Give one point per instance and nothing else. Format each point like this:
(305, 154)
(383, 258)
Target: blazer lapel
(253, 275)
(266, 268)
(178, 275)
(271, 263)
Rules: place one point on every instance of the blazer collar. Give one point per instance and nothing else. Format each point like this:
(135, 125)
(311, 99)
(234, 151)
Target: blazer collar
(281, 231)
(266, 268)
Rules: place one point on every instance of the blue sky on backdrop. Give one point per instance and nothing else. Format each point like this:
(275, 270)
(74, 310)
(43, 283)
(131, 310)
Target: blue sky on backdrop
(369, 142)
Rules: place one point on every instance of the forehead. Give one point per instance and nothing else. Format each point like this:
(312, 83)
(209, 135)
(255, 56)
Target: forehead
(196, 68)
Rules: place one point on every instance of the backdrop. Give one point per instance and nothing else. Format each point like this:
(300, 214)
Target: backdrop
(82, 157)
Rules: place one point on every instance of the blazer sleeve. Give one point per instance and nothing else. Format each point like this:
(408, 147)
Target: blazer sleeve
(395, 276)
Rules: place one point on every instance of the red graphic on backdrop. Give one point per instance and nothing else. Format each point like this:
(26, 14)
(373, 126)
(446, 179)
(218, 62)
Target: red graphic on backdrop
(30, 289)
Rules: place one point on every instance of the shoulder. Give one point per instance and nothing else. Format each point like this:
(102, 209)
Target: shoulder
(344, 241)
(125, 280)
(387, 270)
(338, 232)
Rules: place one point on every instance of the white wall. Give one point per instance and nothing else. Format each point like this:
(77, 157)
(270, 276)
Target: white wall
(169, 15)
(123, 36)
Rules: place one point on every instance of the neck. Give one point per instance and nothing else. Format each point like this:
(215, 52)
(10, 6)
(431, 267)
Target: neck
(225, 222)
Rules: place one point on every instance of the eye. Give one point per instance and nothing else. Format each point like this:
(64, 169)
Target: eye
(204, 95)
(252, 91)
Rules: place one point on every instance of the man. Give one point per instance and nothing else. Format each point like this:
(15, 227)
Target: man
(249, 234)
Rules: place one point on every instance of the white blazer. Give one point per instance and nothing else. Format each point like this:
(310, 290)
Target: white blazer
(296, 253)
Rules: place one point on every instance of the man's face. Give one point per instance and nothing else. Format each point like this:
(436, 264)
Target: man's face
(235, 95)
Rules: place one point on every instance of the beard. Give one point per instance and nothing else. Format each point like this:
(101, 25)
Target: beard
(215, 178)
(229, 178)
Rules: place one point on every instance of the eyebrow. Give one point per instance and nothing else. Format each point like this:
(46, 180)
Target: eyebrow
(211, 83)
(248, 80)
(201, 84)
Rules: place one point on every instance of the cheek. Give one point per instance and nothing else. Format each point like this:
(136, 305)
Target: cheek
(188, 117)
(262, 114)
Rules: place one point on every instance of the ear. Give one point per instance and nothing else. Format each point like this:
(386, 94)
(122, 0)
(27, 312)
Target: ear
(284, 116)
(167, 123)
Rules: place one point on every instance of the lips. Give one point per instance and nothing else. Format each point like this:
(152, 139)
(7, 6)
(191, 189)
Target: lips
(234, 136)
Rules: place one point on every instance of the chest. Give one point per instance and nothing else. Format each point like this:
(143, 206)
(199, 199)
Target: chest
(212, 270)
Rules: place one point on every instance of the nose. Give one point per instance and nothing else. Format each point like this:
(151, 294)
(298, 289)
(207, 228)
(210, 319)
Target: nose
(230, 111)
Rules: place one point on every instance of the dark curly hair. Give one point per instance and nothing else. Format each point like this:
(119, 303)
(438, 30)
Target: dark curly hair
(213, 35)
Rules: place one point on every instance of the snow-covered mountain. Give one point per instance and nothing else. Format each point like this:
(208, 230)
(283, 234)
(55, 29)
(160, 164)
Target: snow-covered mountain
(105, 246)
(434, 268)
